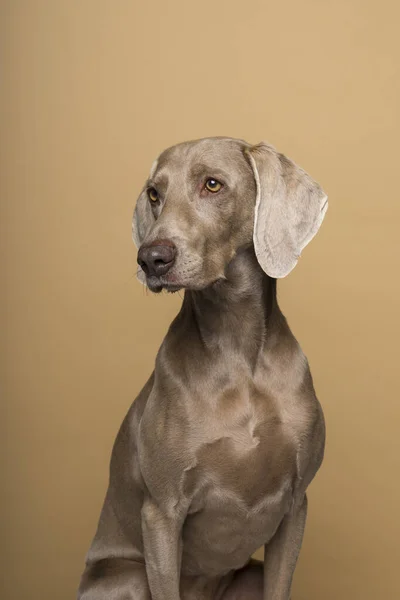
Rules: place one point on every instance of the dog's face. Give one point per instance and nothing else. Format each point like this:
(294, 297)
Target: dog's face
(201, 196)
(204, 200)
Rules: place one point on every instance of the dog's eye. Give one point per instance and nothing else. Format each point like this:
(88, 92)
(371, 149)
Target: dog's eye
(212, 185)
(152, 194)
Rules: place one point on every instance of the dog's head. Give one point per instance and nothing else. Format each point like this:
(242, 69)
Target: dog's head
(206, 199)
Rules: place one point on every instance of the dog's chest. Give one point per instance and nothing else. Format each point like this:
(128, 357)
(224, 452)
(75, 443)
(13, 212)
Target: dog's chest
(242, 455)
(240, 484)
(236, 441)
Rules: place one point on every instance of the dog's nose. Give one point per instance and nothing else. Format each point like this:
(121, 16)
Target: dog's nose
(157, 258)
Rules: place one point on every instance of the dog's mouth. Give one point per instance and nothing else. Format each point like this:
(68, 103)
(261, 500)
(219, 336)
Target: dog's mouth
(186, 277)
(157, 284)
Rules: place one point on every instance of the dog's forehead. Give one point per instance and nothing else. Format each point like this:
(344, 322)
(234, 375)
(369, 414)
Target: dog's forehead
(214, 153)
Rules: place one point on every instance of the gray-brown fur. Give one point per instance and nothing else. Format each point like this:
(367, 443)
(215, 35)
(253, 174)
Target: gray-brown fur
(214, 456)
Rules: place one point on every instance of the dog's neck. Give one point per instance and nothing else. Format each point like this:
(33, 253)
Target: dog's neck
(240, 309)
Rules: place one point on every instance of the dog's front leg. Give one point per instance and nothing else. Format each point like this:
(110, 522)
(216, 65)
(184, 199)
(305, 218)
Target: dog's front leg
(162, 550)
(282, 552)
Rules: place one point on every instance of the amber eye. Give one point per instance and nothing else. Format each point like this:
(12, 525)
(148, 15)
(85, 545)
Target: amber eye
(212, 185)
(152, 194)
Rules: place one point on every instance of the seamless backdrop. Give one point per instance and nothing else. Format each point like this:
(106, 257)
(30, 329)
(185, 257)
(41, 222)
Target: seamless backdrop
(91, 92)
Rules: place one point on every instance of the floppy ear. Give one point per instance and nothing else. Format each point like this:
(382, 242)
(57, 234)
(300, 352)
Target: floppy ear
(290, 208)
(142, 222)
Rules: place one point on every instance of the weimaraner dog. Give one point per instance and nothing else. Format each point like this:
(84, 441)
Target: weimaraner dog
(215, 455)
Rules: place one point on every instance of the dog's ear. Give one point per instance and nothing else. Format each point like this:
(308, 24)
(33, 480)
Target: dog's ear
(290, 207)
(142, 222)
(143, 218)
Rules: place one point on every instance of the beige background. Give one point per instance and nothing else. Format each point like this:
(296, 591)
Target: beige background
(91, 92)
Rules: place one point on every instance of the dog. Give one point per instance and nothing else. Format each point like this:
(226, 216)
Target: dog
(215, 455)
